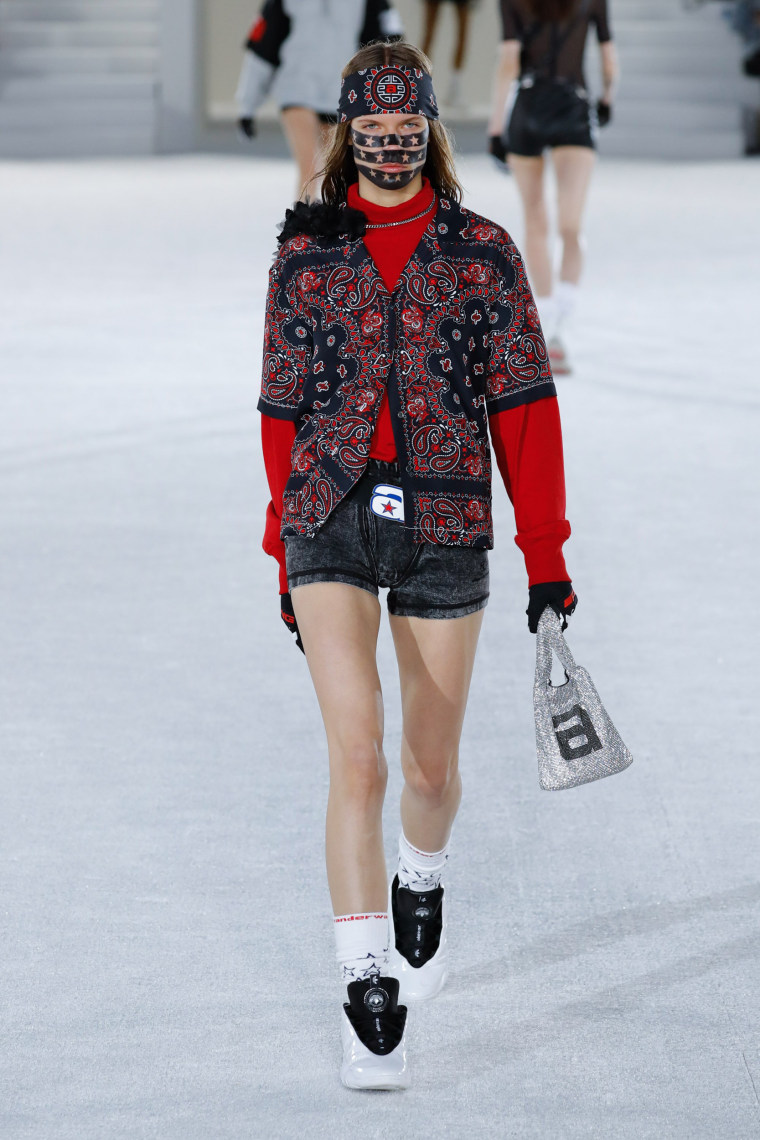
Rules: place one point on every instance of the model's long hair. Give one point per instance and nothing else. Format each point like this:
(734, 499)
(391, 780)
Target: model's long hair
(340, 169)
(552, 11)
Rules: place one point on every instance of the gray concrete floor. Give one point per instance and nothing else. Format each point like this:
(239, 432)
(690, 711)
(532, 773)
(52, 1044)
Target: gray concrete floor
(167, 967)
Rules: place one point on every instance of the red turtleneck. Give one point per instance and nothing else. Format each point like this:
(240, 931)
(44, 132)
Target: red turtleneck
(527, 440)
(390, 250)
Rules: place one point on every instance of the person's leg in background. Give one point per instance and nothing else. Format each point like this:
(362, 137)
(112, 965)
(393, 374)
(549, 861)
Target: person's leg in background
(529, 175)
(573, 166)
(430, 21)
(304, 135)
(454, 96)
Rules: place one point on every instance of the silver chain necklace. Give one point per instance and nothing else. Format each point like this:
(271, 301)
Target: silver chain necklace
(403, 222)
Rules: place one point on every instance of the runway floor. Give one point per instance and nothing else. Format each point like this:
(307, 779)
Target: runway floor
(167, 966)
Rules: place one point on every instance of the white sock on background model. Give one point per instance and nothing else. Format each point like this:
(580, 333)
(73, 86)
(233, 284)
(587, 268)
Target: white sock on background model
(361, 945)
(547, 312)
(566, 298)
(420, 871)
(454, 92)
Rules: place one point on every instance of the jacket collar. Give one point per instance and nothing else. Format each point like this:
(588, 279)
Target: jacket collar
(340, 230)
(440, 234)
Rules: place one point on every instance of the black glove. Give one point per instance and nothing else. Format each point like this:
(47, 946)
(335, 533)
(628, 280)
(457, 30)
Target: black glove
(287, 615)
(247, 127)
(559, 595)
(603, 113)
(498, 152)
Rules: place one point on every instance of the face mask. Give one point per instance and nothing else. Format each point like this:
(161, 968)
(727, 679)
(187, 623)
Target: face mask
(373, 151)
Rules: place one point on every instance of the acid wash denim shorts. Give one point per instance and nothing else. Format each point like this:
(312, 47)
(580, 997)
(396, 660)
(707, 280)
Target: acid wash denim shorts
(359, 546)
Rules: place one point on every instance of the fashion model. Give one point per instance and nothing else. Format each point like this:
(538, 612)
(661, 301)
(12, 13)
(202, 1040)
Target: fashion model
(543, 48)
(400, 333)
(294, 53)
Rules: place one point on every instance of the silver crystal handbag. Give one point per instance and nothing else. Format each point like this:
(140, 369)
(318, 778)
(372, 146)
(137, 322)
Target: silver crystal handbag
(576, 741)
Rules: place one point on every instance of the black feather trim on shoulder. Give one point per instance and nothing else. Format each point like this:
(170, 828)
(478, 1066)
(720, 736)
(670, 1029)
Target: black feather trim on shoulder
(323, 222)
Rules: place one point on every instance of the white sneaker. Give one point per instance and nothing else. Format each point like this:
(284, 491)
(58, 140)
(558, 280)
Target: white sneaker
(418, 945)
(558, 357)
(373, 1032)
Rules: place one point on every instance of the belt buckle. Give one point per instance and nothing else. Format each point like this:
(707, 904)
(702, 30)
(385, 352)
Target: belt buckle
(387, 502)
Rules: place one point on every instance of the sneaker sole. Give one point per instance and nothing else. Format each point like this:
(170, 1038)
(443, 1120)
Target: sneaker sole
(387, 1084)
(366, 1071)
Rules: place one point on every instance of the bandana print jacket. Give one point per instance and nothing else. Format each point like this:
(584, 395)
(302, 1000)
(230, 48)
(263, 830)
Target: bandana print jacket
(457, 339)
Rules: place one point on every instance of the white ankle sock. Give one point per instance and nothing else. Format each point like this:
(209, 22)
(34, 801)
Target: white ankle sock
(547, 312)
(566, 301)
(361, 945)
(420, 871)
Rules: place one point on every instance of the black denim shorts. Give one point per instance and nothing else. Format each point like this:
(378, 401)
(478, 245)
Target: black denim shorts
(357, 547)
(548, 114)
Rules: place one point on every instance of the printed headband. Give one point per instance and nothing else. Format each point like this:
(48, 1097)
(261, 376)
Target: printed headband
(387, 90)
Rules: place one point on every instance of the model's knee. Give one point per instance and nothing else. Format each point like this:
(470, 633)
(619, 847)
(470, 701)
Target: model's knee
(434, 778)
(570, 235)
(360, 770)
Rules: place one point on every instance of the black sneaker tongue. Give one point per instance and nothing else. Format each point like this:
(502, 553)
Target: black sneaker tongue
(379, 995)
(421, 907)
(418, 923)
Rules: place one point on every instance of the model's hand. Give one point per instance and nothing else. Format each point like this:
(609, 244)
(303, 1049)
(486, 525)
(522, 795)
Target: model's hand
(498, 152)
(247, 127)
(603, 112)
(287, 615)
(560, 596)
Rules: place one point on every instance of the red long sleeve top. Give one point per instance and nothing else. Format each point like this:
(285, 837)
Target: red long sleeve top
(527, 440)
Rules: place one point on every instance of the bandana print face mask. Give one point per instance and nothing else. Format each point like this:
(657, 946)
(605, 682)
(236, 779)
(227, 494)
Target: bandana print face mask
(373, 151)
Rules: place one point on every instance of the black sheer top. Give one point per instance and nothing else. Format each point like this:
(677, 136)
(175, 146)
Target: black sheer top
(554, 50)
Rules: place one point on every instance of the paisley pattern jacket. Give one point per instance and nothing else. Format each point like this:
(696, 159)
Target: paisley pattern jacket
(457, 339)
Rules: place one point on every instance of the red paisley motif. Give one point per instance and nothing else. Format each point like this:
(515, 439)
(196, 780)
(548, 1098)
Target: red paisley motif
(466, 330)
(441, 453)
(412, 318)
(372, 321)
(453, 519)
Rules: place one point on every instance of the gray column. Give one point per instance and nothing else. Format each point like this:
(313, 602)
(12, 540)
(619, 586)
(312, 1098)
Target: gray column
(180, 76)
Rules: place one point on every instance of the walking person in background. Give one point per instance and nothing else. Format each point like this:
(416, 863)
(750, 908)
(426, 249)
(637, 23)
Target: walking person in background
(744, 17)
(432, 11)
(400, 334)
(543, 47)
(294, 53)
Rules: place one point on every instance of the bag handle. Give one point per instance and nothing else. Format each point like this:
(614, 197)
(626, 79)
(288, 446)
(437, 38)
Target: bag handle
(550, 638)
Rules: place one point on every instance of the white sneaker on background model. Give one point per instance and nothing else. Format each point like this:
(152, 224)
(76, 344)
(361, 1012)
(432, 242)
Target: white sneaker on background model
(558, 357)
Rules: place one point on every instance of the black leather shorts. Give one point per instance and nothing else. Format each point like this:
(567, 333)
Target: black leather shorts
(549, 114)
(360, 547)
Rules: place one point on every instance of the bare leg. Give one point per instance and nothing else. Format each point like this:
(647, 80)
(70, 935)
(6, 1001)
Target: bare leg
(339, 626)
(432, 10)
(574, 166)
(529, 176)
(303, 131)
(325, 134)
(463, 24)
(435, 660)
